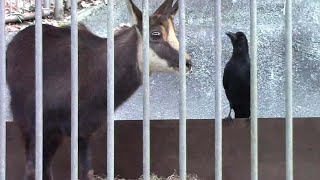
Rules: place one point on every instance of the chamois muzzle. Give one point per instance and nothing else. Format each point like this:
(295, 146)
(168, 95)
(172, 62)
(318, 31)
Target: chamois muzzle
(188, 64)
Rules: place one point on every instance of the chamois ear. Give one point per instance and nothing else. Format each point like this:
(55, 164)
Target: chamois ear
(174, 9)
(134, 11)
(167, 4)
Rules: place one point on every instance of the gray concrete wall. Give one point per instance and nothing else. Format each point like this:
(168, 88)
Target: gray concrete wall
(200, 44)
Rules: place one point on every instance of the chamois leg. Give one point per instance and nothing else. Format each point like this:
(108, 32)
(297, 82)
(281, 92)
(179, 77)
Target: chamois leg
(29, 139)
(86, 170)
(51, 142)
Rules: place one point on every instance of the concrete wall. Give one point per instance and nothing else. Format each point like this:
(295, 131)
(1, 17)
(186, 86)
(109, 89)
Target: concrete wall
(200, 44)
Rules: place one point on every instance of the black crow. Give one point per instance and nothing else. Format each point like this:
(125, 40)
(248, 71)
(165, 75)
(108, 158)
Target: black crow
(236, 77)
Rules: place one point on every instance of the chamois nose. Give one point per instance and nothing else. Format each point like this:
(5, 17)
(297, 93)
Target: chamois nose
(189, 64)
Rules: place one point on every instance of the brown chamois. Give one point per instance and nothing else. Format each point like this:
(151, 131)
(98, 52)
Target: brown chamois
(164, 57)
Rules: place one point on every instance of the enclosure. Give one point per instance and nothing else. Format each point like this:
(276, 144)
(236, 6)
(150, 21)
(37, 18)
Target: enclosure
(281, 141)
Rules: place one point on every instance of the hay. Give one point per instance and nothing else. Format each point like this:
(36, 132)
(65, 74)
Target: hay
(155, 177)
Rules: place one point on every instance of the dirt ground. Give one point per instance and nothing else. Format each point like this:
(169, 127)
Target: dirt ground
(155, 177)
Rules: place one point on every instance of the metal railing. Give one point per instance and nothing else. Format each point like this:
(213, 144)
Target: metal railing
(183, 106)
(146, 90)
(288, 70)
(2, 94)
(110, 95)
(218, 92)
(253, 90)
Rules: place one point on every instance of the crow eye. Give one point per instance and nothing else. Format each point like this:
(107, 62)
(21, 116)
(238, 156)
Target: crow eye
(156, 35)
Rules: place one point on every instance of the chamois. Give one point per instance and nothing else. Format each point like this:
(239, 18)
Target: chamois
(164, 57)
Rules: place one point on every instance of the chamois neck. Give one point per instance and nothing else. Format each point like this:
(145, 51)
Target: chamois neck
(127, 73)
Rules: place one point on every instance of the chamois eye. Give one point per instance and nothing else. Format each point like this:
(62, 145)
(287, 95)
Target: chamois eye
(156, 35)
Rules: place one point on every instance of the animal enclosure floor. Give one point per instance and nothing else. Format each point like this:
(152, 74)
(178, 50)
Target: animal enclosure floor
(200, 150)
(155, 177)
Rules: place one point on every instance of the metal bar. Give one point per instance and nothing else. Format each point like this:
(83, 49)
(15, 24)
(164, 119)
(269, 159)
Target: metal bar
(74, 91)
(146, 92)
(288, 70)
(46, 3)
(23, 5)
(58, 9)
(17, 5)
(253, 90)
(39, 90)
(218, 95)
(10, 6)
(182, 70)
(2, 94)
(110, 94)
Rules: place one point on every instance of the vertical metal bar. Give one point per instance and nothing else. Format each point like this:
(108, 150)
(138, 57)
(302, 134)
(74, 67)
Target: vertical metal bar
(146, 92)
(218, 95)
(253, 90)
(17, 5)
(288, 69)
(39, 90)
(46, 3)
(58, 9)
(182, 70)
(10, 6)
(74, 91)
(23, 5)
(2, 94)
(110, 95)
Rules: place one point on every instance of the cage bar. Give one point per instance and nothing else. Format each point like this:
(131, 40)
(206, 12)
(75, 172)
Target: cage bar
(110, 94)
(58, 9)
(218, 94)
(146, 92)
(10, 6)
(2, 94)
(39, 90)
(17, 5)
(182, 76)
(74, 91)
(253, 90)
(288, 74)
(46, 3)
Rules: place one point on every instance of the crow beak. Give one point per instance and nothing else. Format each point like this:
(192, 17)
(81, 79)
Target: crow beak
(232, 36)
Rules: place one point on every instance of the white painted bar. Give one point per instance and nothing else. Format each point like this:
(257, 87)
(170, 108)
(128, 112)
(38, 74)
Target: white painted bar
(39, 91)
(288, 74)
(2, 94)
(253, 90)
(218, 91)
(110, 95)
(146, 91)
(182, 73)
(74, 91)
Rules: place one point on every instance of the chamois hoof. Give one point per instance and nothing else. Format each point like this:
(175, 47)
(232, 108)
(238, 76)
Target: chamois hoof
(88, 176)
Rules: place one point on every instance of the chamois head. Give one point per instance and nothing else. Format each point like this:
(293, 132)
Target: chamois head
(164, 45)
